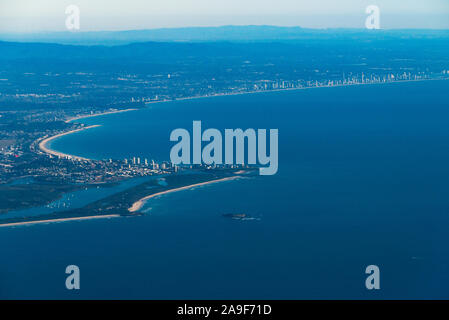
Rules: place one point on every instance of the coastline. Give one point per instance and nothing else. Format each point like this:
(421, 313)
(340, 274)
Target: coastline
(53, 152)
(136, 206)
(98, 114)
(293, 89)
(14, 224)
(43, 144)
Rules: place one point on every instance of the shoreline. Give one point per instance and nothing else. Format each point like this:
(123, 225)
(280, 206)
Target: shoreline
(14, 224)
(291, 89)
(98, 114)
(136, 206)
(133, 209)
(43, 144)
(56, 153)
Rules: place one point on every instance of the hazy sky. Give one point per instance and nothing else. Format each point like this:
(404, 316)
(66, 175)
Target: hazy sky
(49, 15)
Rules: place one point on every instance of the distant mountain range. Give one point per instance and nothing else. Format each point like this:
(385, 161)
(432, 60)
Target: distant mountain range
(224, 33)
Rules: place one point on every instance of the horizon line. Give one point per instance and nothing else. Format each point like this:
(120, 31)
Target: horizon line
(223, 26)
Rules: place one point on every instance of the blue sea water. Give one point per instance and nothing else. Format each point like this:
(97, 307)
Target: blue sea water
(363, 179)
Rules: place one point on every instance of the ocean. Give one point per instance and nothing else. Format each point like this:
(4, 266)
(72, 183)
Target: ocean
(363, 179)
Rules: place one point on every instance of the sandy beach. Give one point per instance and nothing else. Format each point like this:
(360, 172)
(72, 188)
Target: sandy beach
(43, 144)
(98, 114)
(135, 207)
(14, 224)
(139, 204)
